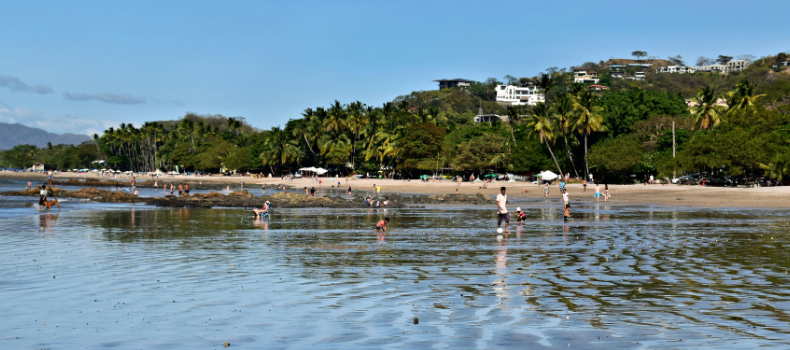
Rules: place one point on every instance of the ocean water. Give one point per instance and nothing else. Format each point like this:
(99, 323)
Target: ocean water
(135, 276)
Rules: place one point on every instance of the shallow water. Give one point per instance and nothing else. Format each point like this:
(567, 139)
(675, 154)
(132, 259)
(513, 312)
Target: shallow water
(131, 276)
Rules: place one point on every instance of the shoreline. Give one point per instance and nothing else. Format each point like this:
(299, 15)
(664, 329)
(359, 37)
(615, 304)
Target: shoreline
(663, 195)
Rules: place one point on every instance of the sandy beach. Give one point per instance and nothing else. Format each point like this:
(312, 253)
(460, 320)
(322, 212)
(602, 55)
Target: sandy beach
(665, 195)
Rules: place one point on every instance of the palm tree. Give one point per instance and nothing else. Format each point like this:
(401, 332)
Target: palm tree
(335, 149)
(304, 126)
(281, 148)
(336, 118)
(540, 124)
(356, 122)
(547, 83)
(513, 113)
(588, 119)
(706, 114)
(745, 91)
(563, 112)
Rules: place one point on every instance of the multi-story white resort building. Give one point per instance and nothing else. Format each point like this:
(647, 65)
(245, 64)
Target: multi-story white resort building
(510, 95)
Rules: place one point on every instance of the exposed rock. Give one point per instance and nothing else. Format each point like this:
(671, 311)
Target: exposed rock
(247, 200)
(85, 193)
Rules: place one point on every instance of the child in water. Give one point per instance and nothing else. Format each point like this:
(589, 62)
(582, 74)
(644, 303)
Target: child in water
(520, 216)
(382, 225)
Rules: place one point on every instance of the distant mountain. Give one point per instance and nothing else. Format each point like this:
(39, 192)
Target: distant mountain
(18, 134)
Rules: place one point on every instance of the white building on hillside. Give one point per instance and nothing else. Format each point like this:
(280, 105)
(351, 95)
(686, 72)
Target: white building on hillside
(676, 69)
(729, 67)
(510, 95)
(585, 76)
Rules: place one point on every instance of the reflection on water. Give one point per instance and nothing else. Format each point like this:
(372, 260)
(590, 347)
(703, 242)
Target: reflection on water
(142, 277)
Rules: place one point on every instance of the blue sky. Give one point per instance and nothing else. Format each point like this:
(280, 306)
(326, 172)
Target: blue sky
(84, 66)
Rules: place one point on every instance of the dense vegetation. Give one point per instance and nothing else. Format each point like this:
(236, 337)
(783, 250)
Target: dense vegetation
(737, 125)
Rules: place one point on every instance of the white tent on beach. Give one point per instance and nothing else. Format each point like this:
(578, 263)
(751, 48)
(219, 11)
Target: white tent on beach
(319, 171)
(548, 176)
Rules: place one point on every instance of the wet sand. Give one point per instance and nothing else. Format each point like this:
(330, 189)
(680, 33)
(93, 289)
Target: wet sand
(664, 195)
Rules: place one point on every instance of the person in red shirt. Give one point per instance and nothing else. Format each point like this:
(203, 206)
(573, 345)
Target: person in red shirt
(382, 225)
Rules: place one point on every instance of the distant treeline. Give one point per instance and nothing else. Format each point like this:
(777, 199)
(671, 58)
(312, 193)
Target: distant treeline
(737, 124)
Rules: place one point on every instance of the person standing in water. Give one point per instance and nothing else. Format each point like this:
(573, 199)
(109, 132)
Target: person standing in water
(597, 192)
(186, 189)
(584, 185)
(42, 194)
(349, 190)
(156, 185)
(134, 183)
(566, 210)
(546, 191)
(606, 193)
(502, 214)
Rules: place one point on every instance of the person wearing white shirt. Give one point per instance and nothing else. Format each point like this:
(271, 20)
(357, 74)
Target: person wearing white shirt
(566, 212)
(502, 214)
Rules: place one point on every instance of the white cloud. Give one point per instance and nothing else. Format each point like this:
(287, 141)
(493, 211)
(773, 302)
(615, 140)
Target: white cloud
(60, 125)
(104, 97)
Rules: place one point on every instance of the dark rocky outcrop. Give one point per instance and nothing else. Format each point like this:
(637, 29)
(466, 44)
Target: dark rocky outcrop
(85, 193)
(246, 200)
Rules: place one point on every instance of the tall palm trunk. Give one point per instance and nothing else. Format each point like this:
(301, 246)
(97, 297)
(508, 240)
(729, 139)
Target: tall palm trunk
(586, 167)
(308, 144)
(552, 156)
(570, 157)
(512, 135)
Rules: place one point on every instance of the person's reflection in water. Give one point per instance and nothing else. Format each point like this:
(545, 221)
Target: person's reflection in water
(132, 224)
(46, 221)
(500, 287)
(262, 223)
(519, 229)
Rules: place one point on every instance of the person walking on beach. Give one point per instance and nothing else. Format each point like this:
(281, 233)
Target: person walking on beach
(49, 178)
(606, 193)
(546, 191)
(502, 214)
(597, 192)
(584, 185)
